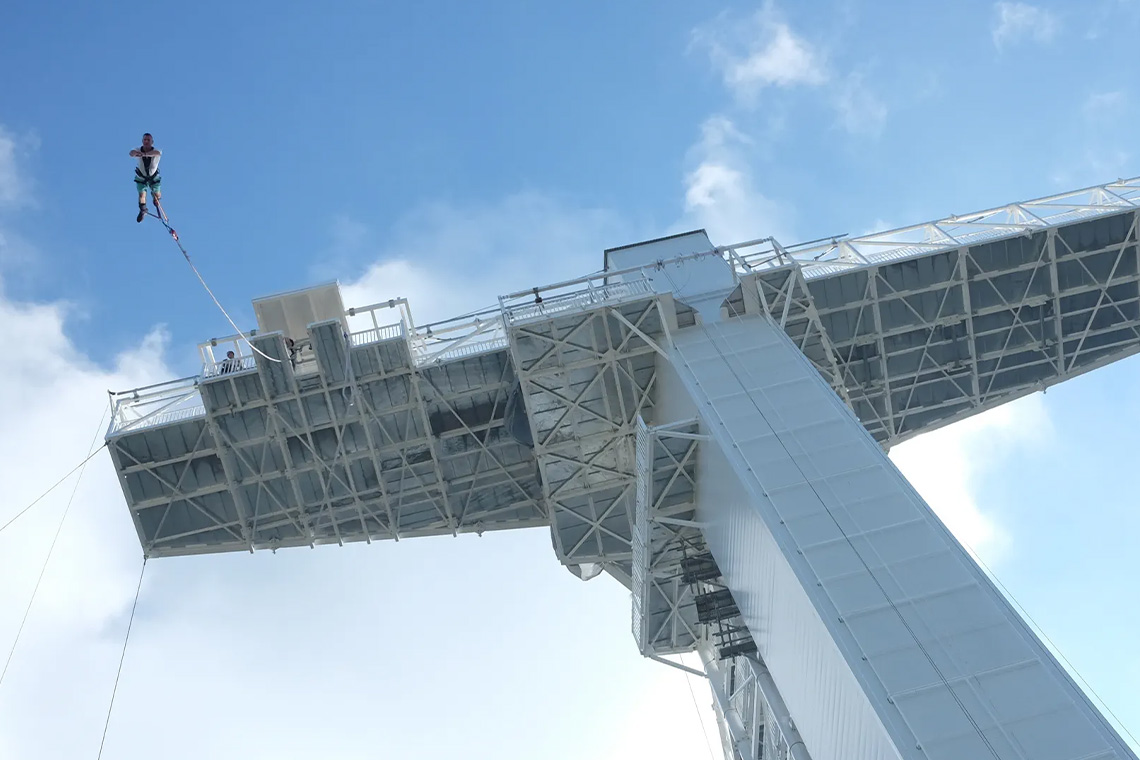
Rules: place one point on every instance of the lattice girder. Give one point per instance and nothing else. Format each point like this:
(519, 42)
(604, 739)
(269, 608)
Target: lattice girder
(664, 613)
(917, 343)
(586, 376)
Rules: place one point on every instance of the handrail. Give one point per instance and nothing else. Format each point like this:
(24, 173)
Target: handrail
(156, 405)
(134, 392)
(826, 255)
(377, 334)
(229, 366)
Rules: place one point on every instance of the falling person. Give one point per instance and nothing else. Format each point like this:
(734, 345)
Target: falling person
(146, 173)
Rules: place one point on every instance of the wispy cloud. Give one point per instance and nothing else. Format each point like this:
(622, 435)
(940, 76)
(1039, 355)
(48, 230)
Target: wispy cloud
(860, 110)
(13, 183)
(1015, 21)
(1104, 16)
(1102, 104)
(761, 51)
(720, 192)
(764, 51)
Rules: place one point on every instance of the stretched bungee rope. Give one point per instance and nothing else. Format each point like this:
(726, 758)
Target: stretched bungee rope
(161, 216)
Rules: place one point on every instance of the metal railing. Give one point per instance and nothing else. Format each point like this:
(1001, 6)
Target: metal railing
(214, 350)
(384, 320)
(751, 724)
(460, 337)
(583, 293)
(155, 405)
(377, 334)
(229, 366)
(820, 258)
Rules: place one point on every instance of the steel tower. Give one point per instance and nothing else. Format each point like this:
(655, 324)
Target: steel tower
(709, 426)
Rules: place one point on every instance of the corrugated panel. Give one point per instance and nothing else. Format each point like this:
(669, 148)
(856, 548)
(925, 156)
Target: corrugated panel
(823, 696)
(806, 507)
(329, 346)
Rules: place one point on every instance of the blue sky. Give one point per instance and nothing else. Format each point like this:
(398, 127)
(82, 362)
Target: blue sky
(450, 152)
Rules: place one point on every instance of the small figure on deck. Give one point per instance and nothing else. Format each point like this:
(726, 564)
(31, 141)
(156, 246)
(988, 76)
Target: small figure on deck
(146, 173)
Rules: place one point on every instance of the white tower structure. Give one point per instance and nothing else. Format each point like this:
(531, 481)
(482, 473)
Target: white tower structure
(709, 426)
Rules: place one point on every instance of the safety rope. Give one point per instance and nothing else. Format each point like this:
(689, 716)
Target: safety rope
(51, 549)
(1041, 632)
(161, 216)
(122, 656)
(700, 715)
(40, 498)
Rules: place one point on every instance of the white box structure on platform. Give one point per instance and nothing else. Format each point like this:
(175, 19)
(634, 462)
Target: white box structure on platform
(707, 425)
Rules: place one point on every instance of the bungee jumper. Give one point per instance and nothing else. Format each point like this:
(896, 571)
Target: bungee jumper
(148, 178)
(146, 173)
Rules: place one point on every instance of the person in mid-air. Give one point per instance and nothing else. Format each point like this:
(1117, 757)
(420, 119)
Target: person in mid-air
(146, 173)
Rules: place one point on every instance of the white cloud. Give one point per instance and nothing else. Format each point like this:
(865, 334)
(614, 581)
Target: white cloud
(1015, 21)
(1107, 16)
(860, 111)
(946, 467)
(1104, 104)
(51, 398)
(720, 191)
(762, 51)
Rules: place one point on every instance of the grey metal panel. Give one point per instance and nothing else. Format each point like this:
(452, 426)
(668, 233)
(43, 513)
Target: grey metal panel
(388, 450)
(276, 376)
(919, 342)
(949, 668)
(330, 349)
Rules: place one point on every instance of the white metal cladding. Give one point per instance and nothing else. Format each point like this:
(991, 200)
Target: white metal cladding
(949, 668)
(826, 702)
(639, 590)
(291, 313)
